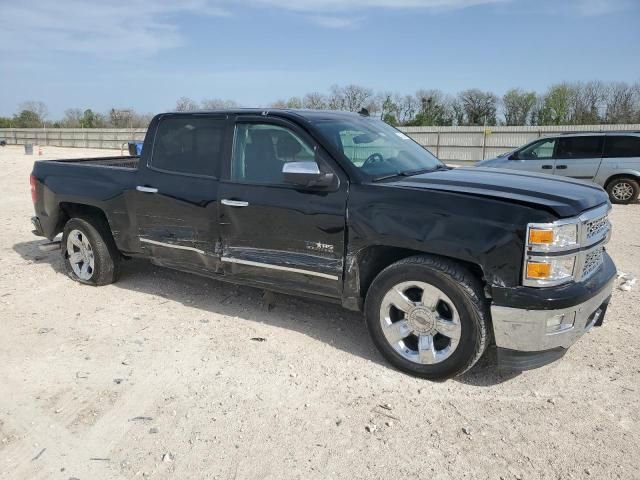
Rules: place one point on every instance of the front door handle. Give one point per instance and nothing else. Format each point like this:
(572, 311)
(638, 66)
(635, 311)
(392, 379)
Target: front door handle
(234, 203)
(146, 189)
(547, 167)
(561, 167)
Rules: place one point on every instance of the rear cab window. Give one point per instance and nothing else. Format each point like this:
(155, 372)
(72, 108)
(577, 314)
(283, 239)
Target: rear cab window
(620, 146)
(190, 145)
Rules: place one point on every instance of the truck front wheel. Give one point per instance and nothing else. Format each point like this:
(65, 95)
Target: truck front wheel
(88, 252)
(428, 317)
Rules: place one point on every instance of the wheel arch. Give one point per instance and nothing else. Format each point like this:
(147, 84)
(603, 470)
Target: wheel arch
(69, 210)
(633, 175)
(365, 265)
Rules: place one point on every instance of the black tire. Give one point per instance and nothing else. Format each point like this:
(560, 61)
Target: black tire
(106, 257)
(463, 289)
(628, 184)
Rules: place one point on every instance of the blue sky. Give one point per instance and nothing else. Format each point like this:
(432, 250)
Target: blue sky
(144, 54)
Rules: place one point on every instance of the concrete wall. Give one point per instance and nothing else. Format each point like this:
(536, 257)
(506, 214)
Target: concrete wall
(451, 144)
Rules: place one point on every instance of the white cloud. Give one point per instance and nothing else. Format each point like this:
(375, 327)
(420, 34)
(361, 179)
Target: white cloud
(329, 21)
(134, 27)
(346, 5)
(601, 7)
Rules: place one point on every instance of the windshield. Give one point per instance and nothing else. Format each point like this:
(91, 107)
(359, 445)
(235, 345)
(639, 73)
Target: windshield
(375, 148)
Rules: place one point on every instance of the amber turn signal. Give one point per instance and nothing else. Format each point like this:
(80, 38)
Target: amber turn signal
(538, 271)
(541, 236)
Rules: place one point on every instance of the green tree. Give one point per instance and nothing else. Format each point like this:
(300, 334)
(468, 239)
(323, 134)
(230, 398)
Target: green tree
(27, 119)
(556, 105)
(518, 106)
(5, 122)
(88, 119)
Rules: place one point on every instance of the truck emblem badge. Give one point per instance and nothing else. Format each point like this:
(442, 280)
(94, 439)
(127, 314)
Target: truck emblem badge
(319, 247)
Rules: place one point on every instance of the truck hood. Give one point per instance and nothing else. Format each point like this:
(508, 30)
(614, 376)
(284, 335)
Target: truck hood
(562, 196)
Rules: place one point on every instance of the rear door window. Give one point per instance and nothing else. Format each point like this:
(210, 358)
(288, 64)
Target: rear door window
(189, 145)
(579, 147)
(622, 146)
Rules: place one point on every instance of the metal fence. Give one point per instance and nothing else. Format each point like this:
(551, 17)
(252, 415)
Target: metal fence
(72, 137)
(451, 144)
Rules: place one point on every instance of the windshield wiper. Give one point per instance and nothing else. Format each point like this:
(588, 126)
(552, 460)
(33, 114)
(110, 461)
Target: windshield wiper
(410, 173)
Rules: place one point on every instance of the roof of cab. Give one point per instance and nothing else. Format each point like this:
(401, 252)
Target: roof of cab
(283, 112)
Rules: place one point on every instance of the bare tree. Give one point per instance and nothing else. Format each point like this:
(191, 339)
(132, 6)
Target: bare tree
(217, 104)
(622, 103)
(336, 98)
(185, 104)
(279, 104)
(356, 97)
(72, 118)
(315, 101)
(294, 102)
(407, 107)
(479, 107)
(588, 103)
(37, 107)
(121, 117)
(518, 106)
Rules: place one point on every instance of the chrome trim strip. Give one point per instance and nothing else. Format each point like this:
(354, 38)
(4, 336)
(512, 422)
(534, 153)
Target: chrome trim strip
(278, 267)
(234, 203)
(140, 188)
(170, 245)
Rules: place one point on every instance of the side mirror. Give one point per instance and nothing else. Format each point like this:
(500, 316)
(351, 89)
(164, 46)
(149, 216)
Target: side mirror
(306, 174)
(514, 156)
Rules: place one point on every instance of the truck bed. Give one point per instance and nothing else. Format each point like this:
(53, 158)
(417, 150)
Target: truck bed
(128, 162)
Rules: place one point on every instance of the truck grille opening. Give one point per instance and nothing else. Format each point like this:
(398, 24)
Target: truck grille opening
(596, 227)
(592, 262)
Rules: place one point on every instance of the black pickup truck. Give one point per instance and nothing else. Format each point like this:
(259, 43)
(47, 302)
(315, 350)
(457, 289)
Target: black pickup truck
(345, 208)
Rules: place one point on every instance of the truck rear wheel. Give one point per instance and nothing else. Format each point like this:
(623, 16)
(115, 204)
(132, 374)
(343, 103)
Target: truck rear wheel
(428, 317)
(88, 252)
(623, 190)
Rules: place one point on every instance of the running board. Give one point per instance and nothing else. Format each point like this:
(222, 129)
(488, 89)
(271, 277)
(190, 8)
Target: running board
(49, 246)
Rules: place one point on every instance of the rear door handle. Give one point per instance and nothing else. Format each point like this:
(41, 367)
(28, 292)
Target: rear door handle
(561, 167)
(547, 167)
(146, 189)
(234, 203)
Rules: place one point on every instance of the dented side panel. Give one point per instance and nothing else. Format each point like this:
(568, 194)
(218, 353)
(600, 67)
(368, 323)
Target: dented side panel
(482, 231)
(285, 236)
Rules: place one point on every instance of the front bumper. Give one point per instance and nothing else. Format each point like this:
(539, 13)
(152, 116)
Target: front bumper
(531, 338)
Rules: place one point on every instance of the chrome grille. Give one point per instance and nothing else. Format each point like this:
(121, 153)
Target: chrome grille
(592, 261)
(596, 227)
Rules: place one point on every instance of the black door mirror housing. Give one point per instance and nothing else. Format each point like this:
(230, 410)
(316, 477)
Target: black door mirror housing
(307, 174)
(514, 156)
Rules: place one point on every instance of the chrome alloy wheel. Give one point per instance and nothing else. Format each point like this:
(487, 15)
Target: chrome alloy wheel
(420, 322)
(80, 254)
(622, 191)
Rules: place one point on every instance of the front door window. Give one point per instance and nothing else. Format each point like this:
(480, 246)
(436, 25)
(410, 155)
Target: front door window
(538, 151)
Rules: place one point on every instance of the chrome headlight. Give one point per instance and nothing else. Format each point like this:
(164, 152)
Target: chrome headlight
(549, 270)
(553, 237)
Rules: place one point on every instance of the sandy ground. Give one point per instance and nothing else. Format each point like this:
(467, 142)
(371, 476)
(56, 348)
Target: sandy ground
(158, 376)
